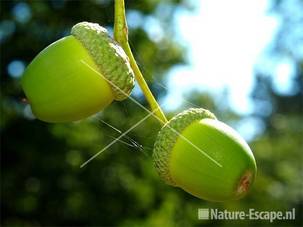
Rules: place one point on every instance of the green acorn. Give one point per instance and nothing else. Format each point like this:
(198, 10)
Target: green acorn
(78, 75)
(204, 157)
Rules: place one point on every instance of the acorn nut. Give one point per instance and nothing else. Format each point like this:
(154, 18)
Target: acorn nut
(78, 75)
(204, 157)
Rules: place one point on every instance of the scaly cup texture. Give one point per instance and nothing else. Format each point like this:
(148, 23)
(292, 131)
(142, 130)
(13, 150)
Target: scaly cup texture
(204, 157)
(78, 75)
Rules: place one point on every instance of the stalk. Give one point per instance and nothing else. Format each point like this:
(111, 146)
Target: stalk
(121, 36)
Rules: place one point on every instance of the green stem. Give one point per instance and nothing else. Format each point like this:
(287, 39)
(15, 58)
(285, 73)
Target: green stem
(121, 36)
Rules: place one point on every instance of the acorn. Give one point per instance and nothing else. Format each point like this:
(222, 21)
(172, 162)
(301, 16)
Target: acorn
(78, 75)
(204, 157)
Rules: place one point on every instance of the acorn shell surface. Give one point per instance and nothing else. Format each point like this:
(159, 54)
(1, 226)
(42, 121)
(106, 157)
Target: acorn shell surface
(207, 159)
(60, 87)
(225, 173)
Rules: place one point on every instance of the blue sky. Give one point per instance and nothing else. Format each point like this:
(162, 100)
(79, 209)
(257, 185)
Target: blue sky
(224, 41)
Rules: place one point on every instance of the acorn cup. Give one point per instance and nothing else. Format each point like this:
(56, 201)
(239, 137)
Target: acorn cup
(78, 75)
(204, 157)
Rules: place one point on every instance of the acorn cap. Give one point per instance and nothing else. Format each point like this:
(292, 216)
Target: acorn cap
(168, 136)
(109, 57)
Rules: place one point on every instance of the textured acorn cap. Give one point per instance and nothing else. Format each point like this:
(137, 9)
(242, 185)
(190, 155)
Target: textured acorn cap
(109, 57)
(168, 136)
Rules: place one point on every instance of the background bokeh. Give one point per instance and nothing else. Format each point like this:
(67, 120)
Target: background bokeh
(41, 179)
